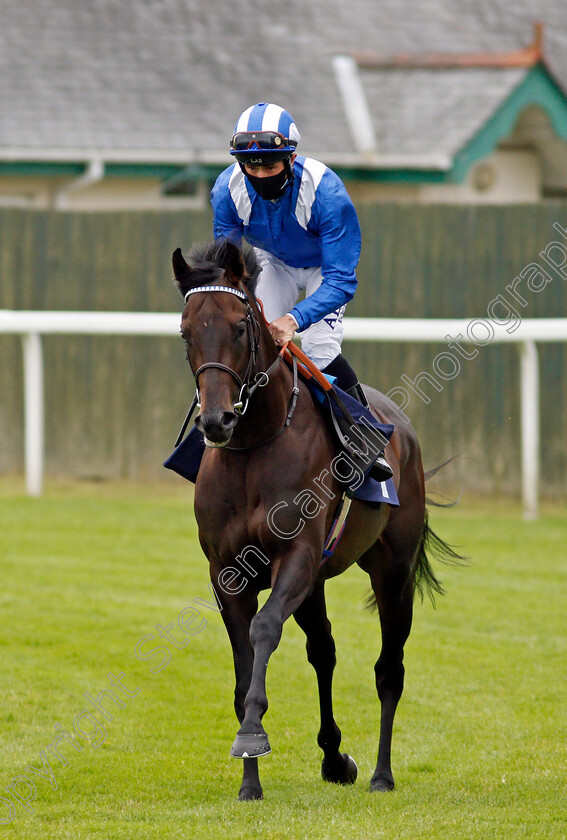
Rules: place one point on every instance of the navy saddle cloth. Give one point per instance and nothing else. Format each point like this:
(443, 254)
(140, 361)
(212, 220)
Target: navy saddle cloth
(186, 458)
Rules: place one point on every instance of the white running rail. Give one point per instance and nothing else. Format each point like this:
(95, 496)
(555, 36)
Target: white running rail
(32, 325)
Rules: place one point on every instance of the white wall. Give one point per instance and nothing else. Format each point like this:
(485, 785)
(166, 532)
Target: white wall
(504, 177)
(107, 194)
(507, 176)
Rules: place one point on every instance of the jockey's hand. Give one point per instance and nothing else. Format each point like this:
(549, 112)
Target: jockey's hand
(282, 329)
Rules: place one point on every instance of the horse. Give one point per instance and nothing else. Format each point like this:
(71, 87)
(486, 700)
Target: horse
(259, 525)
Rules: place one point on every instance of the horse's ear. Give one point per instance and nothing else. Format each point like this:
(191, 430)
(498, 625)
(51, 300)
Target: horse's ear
(234, 262)
(181, 271)
(180, 267)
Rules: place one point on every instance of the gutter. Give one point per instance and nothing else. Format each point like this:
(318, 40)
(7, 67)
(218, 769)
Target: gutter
(93, 173)
(357, 112)
(438, 161)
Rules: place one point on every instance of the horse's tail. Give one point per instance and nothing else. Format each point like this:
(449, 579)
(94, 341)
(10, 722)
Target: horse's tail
(431, 544)
(425, 579)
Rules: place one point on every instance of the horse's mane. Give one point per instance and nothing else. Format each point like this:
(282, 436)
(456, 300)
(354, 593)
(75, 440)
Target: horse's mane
(210, 258)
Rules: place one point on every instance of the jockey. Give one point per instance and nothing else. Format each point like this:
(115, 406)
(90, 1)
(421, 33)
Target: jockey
(298, 216)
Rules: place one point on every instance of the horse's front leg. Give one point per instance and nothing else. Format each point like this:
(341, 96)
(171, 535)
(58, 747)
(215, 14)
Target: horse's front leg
(294, 582)
(237, 613)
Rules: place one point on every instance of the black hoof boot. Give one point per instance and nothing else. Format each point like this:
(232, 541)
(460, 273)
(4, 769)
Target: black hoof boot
(342, 772)
(250, 745)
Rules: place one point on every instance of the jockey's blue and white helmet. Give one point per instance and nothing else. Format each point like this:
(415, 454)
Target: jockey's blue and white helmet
(264, 133)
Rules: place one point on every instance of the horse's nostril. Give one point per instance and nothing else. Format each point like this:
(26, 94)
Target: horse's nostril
(229, 419)
(216, 426)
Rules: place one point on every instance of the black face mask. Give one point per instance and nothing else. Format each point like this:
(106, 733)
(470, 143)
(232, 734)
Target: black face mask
(272, 187)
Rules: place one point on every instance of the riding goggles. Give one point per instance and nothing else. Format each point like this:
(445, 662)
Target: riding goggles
(244, 141)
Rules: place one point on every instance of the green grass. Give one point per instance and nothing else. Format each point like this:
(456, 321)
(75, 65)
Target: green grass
(480, 735)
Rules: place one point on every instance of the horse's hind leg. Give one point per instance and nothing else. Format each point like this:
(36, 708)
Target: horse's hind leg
(312, 618)
(391, 572)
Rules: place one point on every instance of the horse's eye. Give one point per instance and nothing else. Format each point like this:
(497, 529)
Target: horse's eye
(241, 329)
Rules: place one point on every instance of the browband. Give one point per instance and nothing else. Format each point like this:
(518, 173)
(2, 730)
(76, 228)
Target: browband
(228, 289)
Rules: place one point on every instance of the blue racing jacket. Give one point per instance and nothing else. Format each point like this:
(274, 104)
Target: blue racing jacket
(314, 224)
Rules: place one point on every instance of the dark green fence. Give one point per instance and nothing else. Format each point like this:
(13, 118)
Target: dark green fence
(114, 405)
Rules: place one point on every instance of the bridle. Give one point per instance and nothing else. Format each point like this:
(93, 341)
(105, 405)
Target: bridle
(250, 381)
(261, 378)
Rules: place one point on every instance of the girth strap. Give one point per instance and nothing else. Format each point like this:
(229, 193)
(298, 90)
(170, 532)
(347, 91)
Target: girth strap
(337, 527)
(188, 416)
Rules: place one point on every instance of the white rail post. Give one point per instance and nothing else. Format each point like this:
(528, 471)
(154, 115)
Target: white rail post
(529, 401)
(33, 413)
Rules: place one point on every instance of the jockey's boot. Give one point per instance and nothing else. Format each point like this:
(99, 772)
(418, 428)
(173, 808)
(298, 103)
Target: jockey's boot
(381, 470)
(347, 380)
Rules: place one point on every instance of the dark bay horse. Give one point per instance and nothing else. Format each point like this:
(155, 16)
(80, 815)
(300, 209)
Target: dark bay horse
(260, 526)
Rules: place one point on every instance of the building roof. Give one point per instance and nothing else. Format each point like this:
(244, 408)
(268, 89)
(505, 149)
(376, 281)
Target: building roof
(163, 81)
(427, 110)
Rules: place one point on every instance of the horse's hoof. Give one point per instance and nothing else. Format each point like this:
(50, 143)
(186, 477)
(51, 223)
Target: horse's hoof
(250, 745)
(381, 783)
(343, 773)
(249, 794)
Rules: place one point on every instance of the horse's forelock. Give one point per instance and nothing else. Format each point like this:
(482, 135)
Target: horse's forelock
(209, 260)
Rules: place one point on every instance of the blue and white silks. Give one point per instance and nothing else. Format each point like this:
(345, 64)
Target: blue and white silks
(314, 224)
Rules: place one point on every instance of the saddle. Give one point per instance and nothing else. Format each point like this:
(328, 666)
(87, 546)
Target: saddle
(360, 434)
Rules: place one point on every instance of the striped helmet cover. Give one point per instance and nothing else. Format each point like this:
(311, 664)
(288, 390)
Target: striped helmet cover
(266, 116)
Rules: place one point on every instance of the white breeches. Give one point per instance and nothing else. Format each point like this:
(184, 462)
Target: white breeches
(279, 287)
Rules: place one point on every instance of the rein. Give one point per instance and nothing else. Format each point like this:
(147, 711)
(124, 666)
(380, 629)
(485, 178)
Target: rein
(247, 387)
